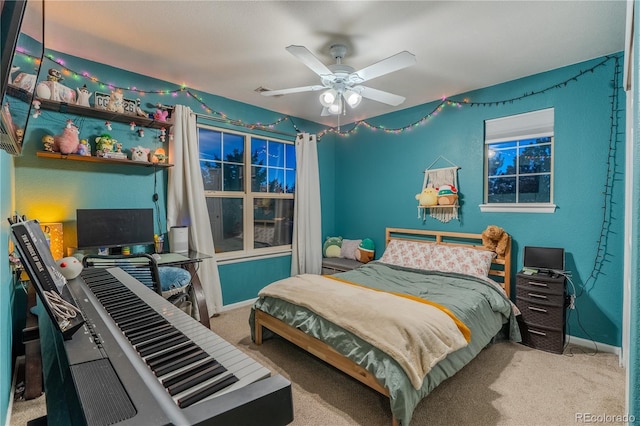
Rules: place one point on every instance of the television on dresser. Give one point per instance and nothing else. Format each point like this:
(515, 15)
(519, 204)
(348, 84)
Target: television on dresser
(544, 259)
(113, 228)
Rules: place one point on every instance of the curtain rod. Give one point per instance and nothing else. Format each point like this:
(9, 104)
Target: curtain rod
(236, 123)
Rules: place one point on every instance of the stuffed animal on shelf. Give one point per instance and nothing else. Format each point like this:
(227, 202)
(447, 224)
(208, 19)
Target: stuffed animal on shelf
(366, 250)
(495, 239)
(139, 111)
(84, 148)
(53, 89)
(47, 141)
(116, 102)
(104, 144)
(83, 96)
(67, 142)
(332, 247)
(139, 153)
(428, 197)
(447, 195)
(70, 267)
(161, 115)
(159, 156)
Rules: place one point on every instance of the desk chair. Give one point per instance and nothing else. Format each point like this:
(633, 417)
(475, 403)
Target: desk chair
(170, 282)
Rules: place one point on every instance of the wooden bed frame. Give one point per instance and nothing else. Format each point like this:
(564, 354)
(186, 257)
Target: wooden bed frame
(500, 272)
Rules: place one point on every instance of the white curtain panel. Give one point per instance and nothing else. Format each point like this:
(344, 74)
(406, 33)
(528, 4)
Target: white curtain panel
(186, 203)
(306, 256)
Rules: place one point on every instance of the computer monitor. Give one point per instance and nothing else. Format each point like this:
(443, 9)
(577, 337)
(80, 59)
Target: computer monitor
(48, 281)
(108, 228)
(544, 258)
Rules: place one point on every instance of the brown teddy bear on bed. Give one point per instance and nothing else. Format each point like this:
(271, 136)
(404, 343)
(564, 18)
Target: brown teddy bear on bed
(495, 239)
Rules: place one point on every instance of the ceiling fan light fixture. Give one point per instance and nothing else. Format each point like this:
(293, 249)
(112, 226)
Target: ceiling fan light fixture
(352, 98)
(336, 107)
(328, 97)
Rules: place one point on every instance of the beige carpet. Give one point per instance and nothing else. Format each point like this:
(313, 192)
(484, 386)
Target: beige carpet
(507, 384)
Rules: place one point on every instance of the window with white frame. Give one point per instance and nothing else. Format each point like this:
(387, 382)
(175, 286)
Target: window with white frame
(249, 184)
(519, 162)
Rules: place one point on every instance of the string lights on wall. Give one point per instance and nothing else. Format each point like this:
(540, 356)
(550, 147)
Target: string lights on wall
(339, 131)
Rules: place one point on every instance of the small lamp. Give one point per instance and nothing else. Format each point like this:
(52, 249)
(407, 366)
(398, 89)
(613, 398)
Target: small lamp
(352, 98)
(56, 240)
(328, 97)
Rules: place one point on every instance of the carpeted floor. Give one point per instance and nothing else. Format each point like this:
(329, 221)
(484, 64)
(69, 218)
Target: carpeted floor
(507, 384)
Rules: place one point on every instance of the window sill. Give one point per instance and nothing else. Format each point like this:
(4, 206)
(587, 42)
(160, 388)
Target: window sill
(518, 208)
(228, 258)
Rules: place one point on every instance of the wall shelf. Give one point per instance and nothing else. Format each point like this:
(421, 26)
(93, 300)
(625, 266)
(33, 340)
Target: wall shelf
(103, 114)
(92, 159)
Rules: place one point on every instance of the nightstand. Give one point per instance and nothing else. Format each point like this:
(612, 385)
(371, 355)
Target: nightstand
(541, 299)
(333, 265)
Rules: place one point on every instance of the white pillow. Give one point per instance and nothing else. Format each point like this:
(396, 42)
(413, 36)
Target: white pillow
(463, 260)
(349, 249)
(410, 254)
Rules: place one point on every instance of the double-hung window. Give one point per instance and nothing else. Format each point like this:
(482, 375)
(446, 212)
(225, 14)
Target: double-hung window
(249, 184)
(518, 160)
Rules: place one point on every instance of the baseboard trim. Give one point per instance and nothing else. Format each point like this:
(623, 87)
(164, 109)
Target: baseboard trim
(238, 305)
(590, 344)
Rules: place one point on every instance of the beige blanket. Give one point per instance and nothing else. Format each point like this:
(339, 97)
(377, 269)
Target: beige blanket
(416, 335)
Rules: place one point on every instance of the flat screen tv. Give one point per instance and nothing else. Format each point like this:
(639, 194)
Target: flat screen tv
(108, 228)
(544, 258)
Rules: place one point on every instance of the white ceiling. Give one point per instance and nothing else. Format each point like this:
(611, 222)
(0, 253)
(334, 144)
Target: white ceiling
(230, 48)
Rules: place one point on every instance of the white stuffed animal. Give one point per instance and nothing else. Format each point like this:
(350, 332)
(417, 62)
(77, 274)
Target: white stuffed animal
(70, 267)
(83, 96)
(116, 102)
(139, 153)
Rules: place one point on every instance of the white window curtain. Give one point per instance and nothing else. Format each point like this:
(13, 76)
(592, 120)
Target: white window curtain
(186, 203)
(306, 255)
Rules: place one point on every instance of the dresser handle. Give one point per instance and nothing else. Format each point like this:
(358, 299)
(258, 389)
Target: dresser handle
(533, 308)
(538, 284)
(540, 333)
(539, 296)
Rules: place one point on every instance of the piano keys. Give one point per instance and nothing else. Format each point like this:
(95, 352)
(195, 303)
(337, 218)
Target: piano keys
(141, 360)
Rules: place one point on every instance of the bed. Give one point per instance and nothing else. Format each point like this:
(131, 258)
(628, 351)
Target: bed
(453, 289)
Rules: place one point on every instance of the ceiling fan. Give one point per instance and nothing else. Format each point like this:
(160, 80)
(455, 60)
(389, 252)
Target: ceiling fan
(341, 83)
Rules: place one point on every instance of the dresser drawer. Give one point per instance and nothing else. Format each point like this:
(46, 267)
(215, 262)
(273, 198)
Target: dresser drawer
(536, 313)
(540, 286)
(543, 338)
(536, 296)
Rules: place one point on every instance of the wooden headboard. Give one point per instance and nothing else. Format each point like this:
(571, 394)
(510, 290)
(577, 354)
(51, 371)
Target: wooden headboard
(500, 267)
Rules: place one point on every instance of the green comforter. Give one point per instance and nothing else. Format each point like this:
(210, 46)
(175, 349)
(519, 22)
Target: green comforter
(476, 302)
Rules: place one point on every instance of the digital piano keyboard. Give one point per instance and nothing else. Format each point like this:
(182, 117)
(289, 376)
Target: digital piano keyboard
(139, 360)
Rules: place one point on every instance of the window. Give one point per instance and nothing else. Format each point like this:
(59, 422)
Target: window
(519, 163)
(249, 184)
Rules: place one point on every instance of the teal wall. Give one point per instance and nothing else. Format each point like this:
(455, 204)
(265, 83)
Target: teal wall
(6, 285)
(378, 175)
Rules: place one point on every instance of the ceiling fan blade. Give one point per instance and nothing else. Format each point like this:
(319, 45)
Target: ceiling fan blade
(306, 57)
(393, 63)
(379, 95)
(292, 90)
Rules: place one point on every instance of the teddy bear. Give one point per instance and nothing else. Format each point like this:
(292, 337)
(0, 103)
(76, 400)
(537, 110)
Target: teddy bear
(160, 115)
(366, 250)
(139, 153)
(332, 247)
(116, 102)
(47, 141)
(495, 239)
(428, 196)
(447, 195)
(67, 142)
(104, 144)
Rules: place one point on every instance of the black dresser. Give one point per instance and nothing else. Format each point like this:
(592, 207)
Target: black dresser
(541, 299)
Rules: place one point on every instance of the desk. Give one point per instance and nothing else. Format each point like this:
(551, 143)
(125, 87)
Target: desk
(189, 261)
